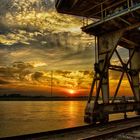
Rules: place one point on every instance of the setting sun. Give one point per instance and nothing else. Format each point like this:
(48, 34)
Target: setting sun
(71, 91)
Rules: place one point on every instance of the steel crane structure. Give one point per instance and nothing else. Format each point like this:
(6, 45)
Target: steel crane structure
(117, 24)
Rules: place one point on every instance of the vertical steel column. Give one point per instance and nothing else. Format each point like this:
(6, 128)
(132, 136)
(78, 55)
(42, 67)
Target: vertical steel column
(107, 44)
(134, 73)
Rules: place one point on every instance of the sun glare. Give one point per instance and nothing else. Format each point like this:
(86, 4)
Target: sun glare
(71, 91)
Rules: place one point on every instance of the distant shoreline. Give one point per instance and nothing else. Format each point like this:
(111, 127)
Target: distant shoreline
(18, 97)
(43, 98)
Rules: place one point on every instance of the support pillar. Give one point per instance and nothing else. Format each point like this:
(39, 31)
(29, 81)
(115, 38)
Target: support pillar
(107, 44)
(134, 73)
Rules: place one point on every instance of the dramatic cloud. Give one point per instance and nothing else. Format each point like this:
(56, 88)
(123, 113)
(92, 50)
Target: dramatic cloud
(17, 71)
(40, 47)
(33, 28)
(36, 76)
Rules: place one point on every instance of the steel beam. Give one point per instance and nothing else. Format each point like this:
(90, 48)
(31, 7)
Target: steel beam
(113, 108)
(107, 43)
(135, 66)
(110, 32)
(102, 110)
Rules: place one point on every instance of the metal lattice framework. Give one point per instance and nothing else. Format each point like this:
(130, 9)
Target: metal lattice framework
(116, 23)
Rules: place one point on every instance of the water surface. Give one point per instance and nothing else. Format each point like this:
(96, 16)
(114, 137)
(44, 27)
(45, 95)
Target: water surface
(24, 117)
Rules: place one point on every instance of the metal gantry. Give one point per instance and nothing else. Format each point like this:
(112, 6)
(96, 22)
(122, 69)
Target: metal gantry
(107, 46)
(117, 24)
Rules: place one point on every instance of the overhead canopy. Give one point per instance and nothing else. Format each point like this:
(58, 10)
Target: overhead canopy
(124, 17)
(84, 8)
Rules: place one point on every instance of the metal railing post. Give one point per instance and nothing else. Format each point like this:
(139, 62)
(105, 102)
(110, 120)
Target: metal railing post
(128, 4)
(102, 12)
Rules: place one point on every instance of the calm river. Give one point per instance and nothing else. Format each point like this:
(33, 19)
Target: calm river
(24, 117)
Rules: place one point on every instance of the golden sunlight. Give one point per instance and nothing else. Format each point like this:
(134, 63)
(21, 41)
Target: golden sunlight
(38, 64)
(71, 91)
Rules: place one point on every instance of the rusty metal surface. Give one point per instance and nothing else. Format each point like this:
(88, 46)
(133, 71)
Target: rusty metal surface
(112, 108)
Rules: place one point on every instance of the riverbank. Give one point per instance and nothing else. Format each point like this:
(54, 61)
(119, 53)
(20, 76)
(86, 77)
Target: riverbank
(41, 98)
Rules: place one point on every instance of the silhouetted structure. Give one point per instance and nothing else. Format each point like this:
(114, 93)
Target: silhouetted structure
(116, 23)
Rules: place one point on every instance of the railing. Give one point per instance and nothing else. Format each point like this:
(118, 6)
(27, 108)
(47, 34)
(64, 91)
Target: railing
(113, 10)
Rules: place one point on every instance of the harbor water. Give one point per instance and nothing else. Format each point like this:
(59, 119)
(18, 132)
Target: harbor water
(25, 117)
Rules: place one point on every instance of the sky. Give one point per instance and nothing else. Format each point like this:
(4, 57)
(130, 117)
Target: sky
(37, 44)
